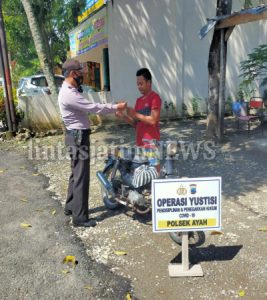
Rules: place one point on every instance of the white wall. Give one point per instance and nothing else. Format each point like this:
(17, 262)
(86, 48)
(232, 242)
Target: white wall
(196, 51)
(143, 37)
(40, 111)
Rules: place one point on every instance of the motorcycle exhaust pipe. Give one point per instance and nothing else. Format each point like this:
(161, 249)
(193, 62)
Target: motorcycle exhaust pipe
(104, 182)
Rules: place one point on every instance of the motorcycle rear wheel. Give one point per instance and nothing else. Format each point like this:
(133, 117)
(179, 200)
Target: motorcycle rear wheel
(107, 198)
(196, 238)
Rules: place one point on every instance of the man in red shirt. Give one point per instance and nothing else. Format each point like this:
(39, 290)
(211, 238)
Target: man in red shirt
(146, 114)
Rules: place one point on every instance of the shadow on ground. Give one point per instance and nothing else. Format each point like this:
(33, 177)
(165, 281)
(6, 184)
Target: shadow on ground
(210, 253)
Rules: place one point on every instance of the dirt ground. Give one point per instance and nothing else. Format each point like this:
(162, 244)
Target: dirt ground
(234, 263)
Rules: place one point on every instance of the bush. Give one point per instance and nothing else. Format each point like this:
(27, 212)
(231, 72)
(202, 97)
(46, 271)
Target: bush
(19, 113)
(2, 108)
(255, 66)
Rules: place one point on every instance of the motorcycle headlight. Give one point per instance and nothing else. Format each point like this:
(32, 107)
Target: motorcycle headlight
(172, 148)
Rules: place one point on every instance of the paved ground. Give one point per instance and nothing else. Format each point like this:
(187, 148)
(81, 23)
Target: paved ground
(234, 263)
(31, 258)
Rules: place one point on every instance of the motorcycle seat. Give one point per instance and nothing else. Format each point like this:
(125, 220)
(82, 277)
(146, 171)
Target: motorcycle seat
(140, 159)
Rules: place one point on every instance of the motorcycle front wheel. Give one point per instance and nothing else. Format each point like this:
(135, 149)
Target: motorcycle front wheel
(196, 238)
(107, 197)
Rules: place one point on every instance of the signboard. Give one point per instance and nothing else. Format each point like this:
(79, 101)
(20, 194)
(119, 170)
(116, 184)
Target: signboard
(191, 204)
(90, 7)
(89, 35)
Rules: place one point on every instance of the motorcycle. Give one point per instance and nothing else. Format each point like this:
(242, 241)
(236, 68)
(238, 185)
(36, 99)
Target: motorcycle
(127, 176)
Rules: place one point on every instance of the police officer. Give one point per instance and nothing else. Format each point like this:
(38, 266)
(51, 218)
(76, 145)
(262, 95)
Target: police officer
(74, 110)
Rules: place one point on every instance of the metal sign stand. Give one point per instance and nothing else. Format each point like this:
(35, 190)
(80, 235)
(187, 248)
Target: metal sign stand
(185, 268)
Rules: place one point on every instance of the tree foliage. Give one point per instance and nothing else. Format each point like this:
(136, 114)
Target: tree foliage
(40, 45)
(255, 67)
(253, 3)
(18, 112)
(55, 17)
(24, 60)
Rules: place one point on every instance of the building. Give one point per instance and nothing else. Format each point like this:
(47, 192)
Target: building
(115, 38)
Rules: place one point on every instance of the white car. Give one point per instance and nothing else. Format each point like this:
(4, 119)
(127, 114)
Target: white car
(34, 85)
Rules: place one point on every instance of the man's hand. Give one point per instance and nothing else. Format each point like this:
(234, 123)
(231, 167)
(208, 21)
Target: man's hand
(125, 117)
(131, 112)
(121, 106)
(119, 114)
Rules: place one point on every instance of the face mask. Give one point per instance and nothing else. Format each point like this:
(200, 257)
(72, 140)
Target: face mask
(80, 89)
(79, 80)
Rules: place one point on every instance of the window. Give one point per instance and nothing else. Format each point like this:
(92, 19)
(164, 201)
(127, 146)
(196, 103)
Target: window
(94, 79)
(59, 81)
(39, 81)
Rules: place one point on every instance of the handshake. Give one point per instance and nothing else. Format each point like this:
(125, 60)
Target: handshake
(122, 105)
(125, 113)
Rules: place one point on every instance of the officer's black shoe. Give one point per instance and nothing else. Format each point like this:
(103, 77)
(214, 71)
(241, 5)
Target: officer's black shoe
(67, 212)
(89, 223)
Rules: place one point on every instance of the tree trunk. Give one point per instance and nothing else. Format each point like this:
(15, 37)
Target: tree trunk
(223, 8)
(4, 65)
(47, 48)
(40, 47)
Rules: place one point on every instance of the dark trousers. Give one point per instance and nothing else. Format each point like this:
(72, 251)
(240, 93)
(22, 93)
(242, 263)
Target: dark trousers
(78, 144)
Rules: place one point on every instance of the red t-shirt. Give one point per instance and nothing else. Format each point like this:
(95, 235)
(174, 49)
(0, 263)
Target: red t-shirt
(144, 106)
